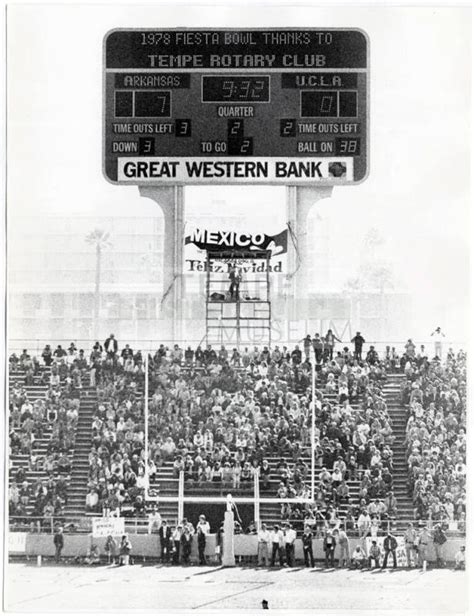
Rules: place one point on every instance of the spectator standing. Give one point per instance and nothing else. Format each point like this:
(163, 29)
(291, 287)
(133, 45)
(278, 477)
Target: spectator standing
(277, 545)
(110, 548)
(47, 355)
(423, 540)
(410, 349)
(125, 550)
(111, 346)
(58, 353)
(219, 543)
(58, 540)
(343, 541)
(265, 472)
(308, 547)
(363, 524)
(307, 345)
(290, 538)
(202, 529)
(235, 277)
(330, 343)
(390, 545)
(92, 500)
(439, 541)
(410, 541)
(176, 539)
(374, 526)
(358, 341)
(154, 519)
(186, 544)
(329, 547)
(390, 503)
(164, 533)
(438, 336)
(126, 352)
(318, 346)
(263, 544)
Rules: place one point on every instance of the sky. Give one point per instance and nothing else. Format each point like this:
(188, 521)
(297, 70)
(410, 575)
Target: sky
(417, 192)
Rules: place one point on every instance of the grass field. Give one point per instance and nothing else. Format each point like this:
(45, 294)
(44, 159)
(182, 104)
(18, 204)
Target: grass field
(56, 588)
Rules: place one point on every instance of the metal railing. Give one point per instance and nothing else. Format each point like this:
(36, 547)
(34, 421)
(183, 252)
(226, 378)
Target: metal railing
(36, 346)
(75, 525)
(142, 525)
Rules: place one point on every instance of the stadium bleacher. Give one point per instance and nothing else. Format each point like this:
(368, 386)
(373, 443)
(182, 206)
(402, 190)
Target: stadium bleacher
(226, 419)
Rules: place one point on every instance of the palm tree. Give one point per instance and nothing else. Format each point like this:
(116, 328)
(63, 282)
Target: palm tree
(355, 287)
(100, 240)
(382, 278)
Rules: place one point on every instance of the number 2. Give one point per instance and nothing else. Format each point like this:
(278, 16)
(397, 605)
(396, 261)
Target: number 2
(244, 148)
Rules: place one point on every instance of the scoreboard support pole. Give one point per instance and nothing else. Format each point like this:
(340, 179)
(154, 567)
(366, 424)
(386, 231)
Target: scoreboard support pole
(299, 200)
(171, 201)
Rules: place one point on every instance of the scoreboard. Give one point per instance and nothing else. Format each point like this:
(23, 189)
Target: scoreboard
(263, 106)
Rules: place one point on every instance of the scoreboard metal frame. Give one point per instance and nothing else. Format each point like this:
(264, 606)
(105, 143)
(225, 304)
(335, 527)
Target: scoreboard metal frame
(266, 148)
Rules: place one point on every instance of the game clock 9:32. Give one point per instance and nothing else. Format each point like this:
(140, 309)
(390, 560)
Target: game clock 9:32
(235, 89)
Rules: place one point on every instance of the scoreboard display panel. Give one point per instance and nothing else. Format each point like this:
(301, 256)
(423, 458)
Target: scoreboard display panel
(263, 106)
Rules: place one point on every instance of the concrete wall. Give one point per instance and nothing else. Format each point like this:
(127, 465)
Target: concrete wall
(149, 546)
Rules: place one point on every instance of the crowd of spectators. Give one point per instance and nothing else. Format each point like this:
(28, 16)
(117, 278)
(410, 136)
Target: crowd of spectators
(353, 442)
(434, 393)
(226, 417)
(117, 457)
(219, 415)
(41, 436)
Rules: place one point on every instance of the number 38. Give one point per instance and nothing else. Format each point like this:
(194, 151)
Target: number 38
(348, 146)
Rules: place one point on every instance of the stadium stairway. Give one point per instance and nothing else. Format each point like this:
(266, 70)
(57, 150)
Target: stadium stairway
(166, 484)
(270, 513)
(40, 445)
(80, 463)
(398, 415)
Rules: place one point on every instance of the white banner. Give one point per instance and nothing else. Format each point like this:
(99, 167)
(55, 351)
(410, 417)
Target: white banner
(17, 543)
(103, 527)
(240, 170)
